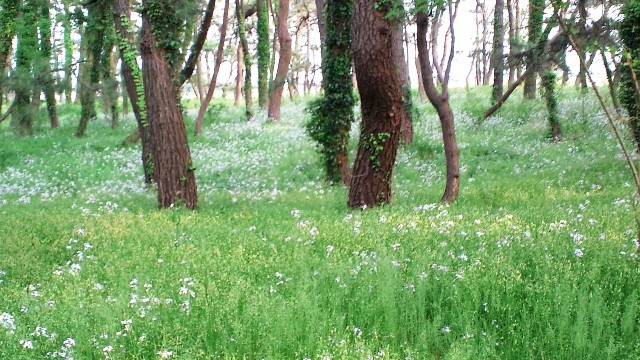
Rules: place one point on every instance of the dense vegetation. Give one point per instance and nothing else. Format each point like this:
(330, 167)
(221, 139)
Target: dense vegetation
(535, 260)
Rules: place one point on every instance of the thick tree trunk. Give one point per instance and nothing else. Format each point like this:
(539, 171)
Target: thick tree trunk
(133, 82)
(441, 103)
(216, 68)
(23, 84)
(172, 164)
(8, 16)
(381, 105)
(284, 39)
(498, 51)
(45, 74)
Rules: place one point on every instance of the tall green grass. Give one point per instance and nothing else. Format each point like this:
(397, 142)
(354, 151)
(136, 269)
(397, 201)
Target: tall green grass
(535, 261)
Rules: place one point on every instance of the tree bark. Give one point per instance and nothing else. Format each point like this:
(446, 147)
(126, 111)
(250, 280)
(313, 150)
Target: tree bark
(381, 105)
(402, 69)
(174, 170)
(8, 16)
(441, 102)
(242, 34)
(133, 82)
(237, 95)
(498, 50)
(216, 68)
(263, 52)
(284, 39)
(322, 27)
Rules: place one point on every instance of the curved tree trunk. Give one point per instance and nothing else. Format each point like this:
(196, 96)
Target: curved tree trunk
(242, 34)
(284, 39)
(381, 105)
(216, 69)
(174, 171)
(441, 104)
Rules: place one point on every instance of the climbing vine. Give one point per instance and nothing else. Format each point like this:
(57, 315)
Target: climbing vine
(130, 55)
(551, 101)
(263, 52)
(331, 115)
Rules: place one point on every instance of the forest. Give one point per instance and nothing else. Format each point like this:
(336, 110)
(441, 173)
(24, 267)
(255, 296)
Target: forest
(327, 179)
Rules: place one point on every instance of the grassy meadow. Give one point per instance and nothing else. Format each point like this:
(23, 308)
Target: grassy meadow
(536, 260)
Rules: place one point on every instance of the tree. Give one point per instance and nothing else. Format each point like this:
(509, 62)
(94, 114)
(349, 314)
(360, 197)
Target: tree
(23, 77)
(172, 164)
(284, 40)
(44, 70)
(8, 16)
(629, 90)
(534, 26)
(440, 100)
(242, 34)
(498, 50)
(550, 98)
(132, 76)
(263, 52)
(381, 103)
(218, 61)
(332, 113)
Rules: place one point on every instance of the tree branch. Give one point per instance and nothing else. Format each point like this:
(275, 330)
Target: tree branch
(196, 48)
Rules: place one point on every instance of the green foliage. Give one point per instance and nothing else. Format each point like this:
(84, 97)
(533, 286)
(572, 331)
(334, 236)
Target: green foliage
(263, 52)
(539, 250)
(375, 144)
(549, 79)
(331, 115)
(630, 34)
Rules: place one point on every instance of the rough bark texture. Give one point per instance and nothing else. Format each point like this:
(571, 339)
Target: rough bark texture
(133, 82)
(322, 27)
(381, 105)
(284, 39)
(23, 84)
(263, 52)
(498, 50)
(216, 68)
(237, 94)
(174, 171)
(441, 102)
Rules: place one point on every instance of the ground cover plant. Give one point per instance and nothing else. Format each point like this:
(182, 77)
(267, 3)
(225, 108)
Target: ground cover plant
(536, 259)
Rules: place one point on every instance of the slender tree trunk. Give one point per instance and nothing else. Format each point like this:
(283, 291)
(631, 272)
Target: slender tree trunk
(263, 52)
(68, 51)
(237, 95)
(171, 156)
(421, 90)
(284, 59)
(381, 105)
(441, 102)
(212, 85)
(512, 40)
(320, 13)
(248, 98)
(498, 51)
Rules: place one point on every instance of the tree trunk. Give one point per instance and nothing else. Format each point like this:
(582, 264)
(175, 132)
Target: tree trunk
(381, 105)
(445, 114)
(242, 34)
(172, 164)
(133, 82)
(402, 69)
(263, 52)
(498, 50)
(237, 95)
(536, 9)
(512, 41)
(8, 15)
(68, 52)
(216, 68)
(320, 13)
(284, 39)
(27, 47)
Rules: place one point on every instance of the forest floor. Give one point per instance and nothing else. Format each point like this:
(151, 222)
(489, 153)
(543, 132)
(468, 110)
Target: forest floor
(536, 260)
